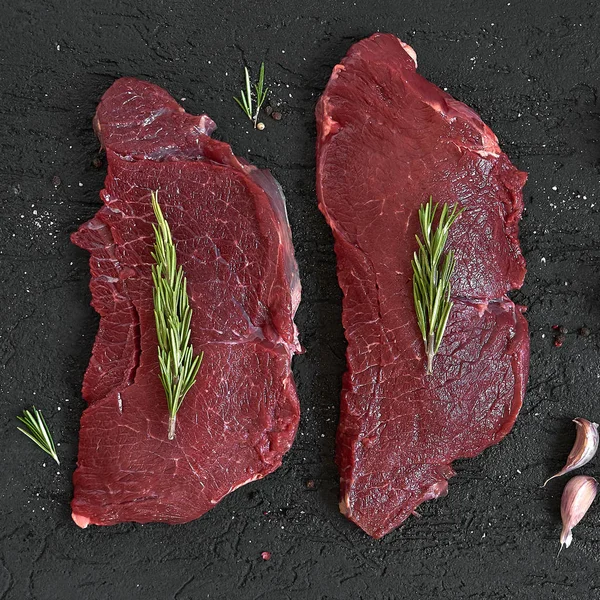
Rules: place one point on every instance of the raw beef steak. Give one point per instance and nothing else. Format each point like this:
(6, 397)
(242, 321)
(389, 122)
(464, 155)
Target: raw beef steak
(387, 140)
(233, 240)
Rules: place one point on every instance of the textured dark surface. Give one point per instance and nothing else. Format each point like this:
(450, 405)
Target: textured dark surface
(529, 68)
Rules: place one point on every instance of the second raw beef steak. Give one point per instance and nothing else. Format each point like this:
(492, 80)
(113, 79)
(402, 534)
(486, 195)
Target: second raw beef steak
(388, 140)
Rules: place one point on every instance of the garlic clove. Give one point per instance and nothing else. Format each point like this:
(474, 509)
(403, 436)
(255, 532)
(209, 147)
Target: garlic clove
(577, 497)
(584, 449)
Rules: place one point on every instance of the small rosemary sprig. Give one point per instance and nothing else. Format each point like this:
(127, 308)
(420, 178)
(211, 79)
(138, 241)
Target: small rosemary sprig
(173, 315)
(245, 100)
(431, 277)
(37, 431)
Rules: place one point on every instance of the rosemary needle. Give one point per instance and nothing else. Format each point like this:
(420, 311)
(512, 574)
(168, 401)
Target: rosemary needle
(431, 276)
(37, 431)
(245, 99)
(261, 92)
(173, 316)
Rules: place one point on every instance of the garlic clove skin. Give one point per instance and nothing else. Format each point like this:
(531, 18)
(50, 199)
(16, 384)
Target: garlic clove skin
(584, 449)
(577, 497)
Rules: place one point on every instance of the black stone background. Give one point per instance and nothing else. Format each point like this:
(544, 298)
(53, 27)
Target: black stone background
(531, 70)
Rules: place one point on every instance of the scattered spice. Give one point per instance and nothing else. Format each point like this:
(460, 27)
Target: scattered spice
(310, 484)
(266, 555)
(560, 329)
(56, 181)
(276, 116)
(268, 110)
(559, 340)
(584, 332)
(577, 497)
(97, 162)
(584, 448)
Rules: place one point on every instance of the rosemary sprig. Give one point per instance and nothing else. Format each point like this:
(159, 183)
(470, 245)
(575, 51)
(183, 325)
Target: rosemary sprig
(431, 277)
(173, 315)
(37, 431)
(245, 101)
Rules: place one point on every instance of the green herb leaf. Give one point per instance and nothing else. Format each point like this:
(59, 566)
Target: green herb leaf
(173, 316)
(245, 100)
(37, 431)
(431, 282)
(261, 92)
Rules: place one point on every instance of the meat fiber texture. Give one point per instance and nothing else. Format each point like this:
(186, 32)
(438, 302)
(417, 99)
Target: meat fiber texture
(233, 240)
(388, 140)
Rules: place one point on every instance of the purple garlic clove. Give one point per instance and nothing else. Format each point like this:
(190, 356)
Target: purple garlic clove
(584, 449)
(577, 497)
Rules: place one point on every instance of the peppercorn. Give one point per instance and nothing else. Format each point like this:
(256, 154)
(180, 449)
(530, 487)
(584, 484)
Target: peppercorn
(276, 116)
(584, 332)
(56, 181)
(559, 340)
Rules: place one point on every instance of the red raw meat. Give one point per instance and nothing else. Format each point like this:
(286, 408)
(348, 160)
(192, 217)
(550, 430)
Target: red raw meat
(387, 140)
(233, 240)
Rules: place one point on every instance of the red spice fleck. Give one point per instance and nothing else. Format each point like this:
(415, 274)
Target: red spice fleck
(266, 555)
(559, 340)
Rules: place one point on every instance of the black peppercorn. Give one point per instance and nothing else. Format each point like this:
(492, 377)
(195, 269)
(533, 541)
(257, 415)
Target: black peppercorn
(559, 340)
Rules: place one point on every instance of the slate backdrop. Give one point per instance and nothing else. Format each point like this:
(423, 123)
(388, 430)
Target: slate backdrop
(529, 68)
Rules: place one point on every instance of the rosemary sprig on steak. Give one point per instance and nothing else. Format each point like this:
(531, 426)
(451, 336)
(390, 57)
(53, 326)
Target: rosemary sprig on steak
(173, 315)
(37, 431)
(431, 276)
